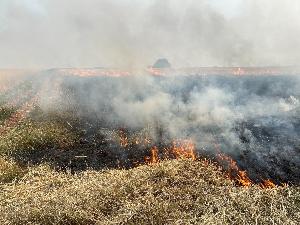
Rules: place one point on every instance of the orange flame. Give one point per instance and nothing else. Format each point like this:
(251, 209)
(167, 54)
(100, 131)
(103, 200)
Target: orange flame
(179, 149)
(123, 139)
(267, 184)
(239, 176)
(155, 71)
(233, 170)
(243, 179)
(185, 149)
(153, 158)
(182, 149)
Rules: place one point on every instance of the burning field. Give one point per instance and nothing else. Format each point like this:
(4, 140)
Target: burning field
(91, 132)
(113, 147)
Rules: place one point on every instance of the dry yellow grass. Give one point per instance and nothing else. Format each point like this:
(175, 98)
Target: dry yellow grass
(29, 136)
(10, 171)
(171, 192)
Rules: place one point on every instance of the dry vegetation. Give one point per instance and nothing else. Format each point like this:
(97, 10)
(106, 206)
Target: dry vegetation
(170, 192)
(29, 136)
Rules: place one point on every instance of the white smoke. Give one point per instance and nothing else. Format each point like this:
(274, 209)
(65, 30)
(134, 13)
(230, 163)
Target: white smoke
(75, 33)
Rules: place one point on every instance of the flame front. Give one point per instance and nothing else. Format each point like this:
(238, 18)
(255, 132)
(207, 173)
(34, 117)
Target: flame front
(185, 149)
(153, 158)
(243, 179)
(267, 184)
(233, 170)
(240, 176)
(182, 149)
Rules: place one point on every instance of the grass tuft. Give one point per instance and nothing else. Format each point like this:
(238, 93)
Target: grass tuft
(10, 171)
(30, 136)
(171, 192)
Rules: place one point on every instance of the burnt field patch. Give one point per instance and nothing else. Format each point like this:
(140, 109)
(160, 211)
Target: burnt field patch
(115, 122)
(253, 119)
(122, 149)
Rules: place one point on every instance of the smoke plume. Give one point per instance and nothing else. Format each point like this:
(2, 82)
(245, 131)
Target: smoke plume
(254, 119)
(74, 33)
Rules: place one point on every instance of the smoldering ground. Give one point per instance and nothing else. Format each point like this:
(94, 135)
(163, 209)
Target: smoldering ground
(254, 119)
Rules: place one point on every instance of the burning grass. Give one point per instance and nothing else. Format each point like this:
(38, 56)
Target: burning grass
(173, 186)
(62, 169)
(170, 192)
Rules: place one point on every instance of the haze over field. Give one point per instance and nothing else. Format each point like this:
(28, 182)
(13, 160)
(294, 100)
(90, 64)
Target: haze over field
(92, 132)
(132, 33)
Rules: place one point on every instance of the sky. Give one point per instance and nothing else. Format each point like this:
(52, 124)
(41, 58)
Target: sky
(134, 33)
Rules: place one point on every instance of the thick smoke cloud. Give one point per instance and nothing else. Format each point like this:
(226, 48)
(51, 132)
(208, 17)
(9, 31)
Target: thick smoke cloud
(75, 33)
(254, 119)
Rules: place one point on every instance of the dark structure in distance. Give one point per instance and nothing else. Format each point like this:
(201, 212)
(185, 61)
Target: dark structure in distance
(162, 63)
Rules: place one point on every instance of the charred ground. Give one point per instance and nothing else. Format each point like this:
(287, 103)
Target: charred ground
(264, 141)
(81, 125)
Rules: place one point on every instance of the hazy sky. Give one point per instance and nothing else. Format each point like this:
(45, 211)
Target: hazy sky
(67, 33)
